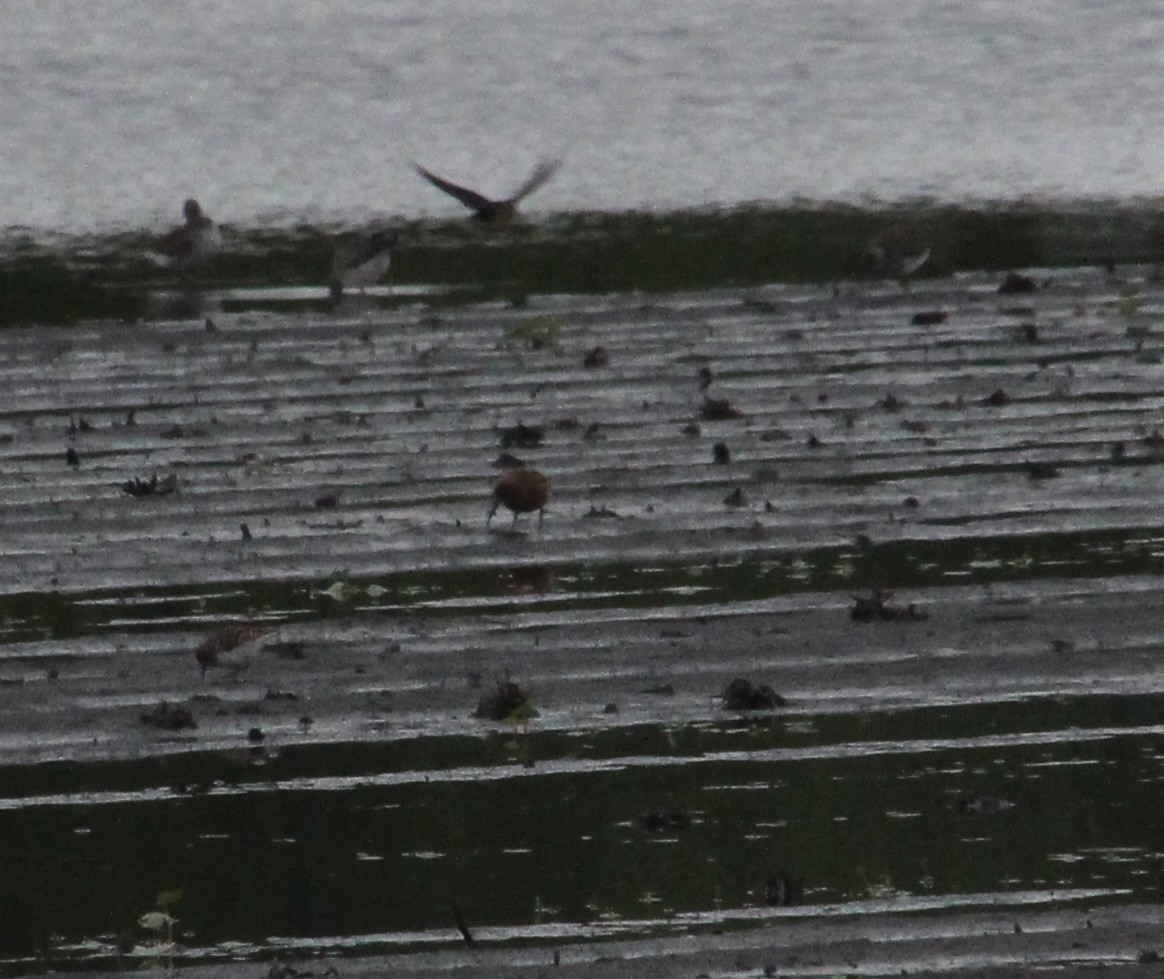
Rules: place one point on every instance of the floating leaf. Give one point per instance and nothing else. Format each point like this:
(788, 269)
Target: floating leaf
(1128, 303)
(537, 331)
(339, 591)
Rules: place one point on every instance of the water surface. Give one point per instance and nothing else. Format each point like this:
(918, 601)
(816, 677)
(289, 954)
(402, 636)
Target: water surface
(272, 114)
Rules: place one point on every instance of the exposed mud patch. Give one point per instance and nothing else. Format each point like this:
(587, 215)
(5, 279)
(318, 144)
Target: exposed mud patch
(950, 594)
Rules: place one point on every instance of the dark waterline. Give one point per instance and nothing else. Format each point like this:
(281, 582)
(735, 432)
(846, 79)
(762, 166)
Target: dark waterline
(68, 279)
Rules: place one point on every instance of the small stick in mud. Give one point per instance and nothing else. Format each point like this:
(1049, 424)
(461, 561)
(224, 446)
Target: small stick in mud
(462, 927)
(522, 490)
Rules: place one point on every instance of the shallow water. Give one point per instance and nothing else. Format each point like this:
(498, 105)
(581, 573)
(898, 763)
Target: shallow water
(996, 746)
(273, 115)
(367, 847)
(996, 743)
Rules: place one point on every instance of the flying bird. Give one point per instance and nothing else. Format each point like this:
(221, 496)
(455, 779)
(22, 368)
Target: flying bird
(191, 245)
(484, 209)
(360, 262)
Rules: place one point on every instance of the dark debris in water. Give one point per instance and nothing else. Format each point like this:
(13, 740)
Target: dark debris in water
(736, 498)
(1014, 284)
(718, 410)
(152, 486)
(875, 607)
(1154, 441)
(745, 694)
(169, 716)
(596, 357)
(1039, 471)
(522, 436)
(508, 702)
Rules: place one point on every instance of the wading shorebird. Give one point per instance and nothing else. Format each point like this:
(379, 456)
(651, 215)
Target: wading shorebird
(522, 490)
(490, 211)
(896, 255)
(229, 647)
(361, 261)
(190, 245)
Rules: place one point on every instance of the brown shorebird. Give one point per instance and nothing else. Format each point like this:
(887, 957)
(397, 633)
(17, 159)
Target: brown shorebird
(190, 245)
(896, 255)
(522, 490)
(360, 262)
(490, 211)
(225, 646)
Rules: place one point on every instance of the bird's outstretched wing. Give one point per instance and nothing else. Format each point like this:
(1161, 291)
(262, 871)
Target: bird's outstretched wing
(470, 198)
(541, 173)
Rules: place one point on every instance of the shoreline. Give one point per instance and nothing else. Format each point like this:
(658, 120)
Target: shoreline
(74, 278)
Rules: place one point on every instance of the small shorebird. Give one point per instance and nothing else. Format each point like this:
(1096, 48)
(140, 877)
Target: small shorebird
(490, 211)
(189, 245)
(361, 261)
(522, 490)
(224, 647)
(896, 255)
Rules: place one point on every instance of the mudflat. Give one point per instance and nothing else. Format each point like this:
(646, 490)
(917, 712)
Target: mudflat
(934, 538)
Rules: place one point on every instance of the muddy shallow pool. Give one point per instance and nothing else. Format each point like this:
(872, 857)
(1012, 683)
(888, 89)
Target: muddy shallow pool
(936, 537)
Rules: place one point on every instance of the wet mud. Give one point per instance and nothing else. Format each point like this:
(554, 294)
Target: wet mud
(822, 700)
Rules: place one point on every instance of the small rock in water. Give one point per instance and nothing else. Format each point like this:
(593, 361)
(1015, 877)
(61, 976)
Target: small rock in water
(743, 694)
(1016, 285)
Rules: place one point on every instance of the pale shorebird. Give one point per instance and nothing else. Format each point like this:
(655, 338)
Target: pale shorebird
(897, 255)
(230, 647)
(190, 245)
(361, 261)
(522, 490)
(490, 211)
